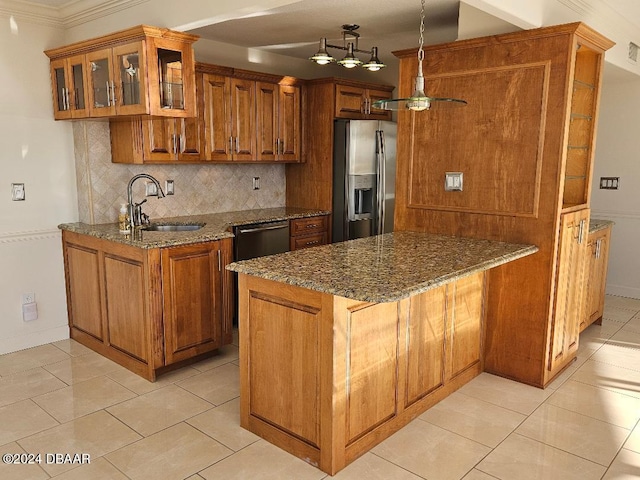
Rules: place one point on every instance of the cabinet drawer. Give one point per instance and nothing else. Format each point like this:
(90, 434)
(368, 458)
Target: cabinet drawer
(307, 241)
(304, 226)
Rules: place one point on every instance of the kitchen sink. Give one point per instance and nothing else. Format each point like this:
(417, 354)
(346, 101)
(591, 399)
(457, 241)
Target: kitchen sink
(160, 227)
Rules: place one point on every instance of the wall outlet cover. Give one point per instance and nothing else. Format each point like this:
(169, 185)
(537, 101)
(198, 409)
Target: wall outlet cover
(17, 192)
(453, 181)
(150, 189)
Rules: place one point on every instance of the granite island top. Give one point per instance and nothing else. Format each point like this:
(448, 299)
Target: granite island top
(216, 226)
(383, 268)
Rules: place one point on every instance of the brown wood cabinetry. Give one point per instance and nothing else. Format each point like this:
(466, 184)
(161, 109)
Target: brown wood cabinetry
(250, 116)
(355, 372)
(570, 282)
(310, 184)
(309, 232)
(139, 71)
(522, 176)
(148, 309)
(597, 256)
(355, 102)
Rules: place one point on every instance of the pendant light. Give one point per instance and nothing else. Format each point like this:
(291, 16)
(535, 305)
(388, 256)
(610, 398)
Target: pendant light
(419, 100)
(350, 39)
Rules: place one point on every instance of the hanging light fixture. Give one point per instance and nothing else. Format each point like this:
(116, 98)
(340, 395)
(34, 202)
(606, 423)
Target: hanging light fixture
(419, 100)
(350, 44)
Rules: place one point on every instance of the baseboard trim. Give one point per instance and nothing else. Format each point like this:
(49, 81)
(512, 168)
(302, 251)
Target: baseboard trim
(622, 291)
(33, 339)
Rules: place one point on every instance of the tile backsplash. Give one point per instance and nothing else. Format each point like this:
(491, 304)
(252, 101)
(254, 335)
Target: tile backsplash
(102, 185)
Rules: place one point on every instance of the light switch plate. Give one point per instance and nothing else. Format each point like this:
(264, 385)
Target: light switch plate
(256, 183)
(150, 189)
(453, 181)
(17, 192)
(609, 183)
(169, 187)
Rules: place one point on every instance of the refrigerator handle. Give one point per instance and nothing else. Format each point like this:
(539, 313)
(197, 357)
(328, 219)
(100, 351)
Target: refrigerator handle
(381, 160)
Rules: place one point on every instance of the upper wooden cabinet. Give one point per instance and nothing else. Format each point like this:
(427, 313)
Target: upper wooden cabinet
(355, 102)
(250, 116)
(524, 143)
(140, 71)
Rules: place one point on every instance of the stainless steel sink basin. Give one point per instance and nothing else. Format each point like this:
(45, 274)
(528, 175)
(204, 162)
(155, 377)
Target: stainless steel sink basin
(159, 227)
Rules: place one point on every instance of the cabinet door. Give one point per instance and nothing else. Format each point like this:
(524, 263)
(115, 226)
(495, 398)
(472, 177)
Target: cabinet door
(217, 117)
(598, 259)
(267, 121)
(159, 139)
(289, 135)
(171, 77)
(349, 102)
(188, 132)
(129, 77)
(376, 113)
(570, 279)
(100, 83)
(68, 82)
(84, 293)
(243, 113)
(192, 296)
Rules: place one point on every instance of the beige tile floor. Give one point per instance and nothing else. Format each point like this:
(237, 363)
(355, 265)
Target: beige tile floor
(64, 398)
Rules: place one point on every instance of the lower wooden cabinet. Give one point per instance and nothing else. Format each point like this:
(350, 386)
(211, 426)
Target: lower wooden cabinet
(597, 257)
(309, 232)
(569, 291)
(147, 309)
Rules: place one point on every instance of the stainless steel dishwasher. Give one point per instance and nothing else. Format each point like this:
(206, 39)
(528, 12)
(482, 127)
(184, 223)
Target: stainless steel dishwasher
(260, 239)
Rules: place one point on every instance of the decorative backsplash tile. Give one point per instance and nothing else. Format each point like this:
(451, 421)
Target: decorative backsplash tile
(102, 185)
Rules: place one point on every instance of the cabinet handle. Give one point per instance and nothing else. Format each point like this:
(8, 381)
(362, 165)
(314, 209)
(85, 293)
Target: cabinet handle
(219, 262)
(598, 247)
(108, 95)
(311, 225)
(175, 147)
(113, 93)
(277, 146)
(312, 243)
(181, 144)
(230, 144)
(581, 232)
(65, 105)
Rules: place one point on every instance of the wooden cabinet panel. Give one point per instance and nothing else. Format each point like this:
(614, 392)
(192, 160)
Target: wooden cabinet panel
(597, 253)
(426, 344)
(69, 87)
(568, 310)
(465, 330)
(84, 295)
(159, 139)
(289, 123)
(243, 112)
(355, 102)
(125, 309)
(217, 117)
(267, 121)
(192, 300)
(308, 232)
(377, 113)
(284, 351)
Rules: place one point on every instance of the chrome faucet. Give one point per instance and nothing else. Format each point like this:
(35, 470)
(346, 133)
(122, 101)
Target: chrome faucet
(136, 217)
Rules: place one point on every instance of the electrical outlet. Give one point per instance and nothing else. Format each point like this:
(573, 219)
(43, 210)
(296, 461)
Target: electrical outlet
(453, 181)
(169, 187)
(150, 189)
(17, 192)
(28, 298)
(256, 183)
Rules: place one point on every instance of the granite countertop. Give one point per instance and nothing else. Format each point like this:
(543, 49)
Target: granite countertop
(216, 226)
(596, 224)
(383, 268)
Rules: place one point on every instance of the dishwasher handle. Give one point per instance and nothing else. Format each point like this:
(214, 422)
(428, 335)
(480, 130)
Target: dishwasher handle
(262, 229)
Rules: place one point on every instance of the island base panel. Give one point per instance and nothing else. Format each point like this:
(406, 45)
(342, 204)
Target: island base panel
(327, 378)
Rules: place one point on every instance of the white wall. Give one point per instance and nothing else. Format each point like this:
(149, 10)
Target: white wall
(617, 156)
(38, 152)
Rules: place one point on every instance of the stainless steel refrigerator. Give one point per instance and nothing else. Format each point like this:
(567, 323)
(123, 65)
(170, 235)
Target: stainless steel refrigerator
(364, 176)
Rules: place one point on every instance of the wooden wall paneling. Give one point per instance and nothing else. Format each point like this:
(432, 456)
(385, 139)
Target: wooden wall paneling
(310, 184)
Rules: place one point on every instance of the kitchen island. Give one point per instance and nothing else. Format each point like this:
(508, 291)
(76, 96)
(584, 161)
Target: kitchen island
(344, 344)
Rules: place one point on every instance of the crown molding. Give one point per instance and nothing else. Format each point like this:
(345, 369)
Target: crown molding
(71, 14)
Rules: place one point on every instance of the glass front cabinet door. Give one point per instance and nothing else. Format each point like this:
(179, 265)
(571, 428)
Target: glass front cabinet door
(68, 76)
(141, 71)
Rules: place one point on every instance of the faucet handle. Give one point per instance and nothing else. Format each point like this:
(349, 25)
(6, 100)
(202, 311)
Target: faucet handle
(144, 219)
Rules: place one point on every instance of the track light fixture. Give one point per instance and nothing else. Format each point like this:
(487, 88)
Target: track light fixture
(350, 44)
